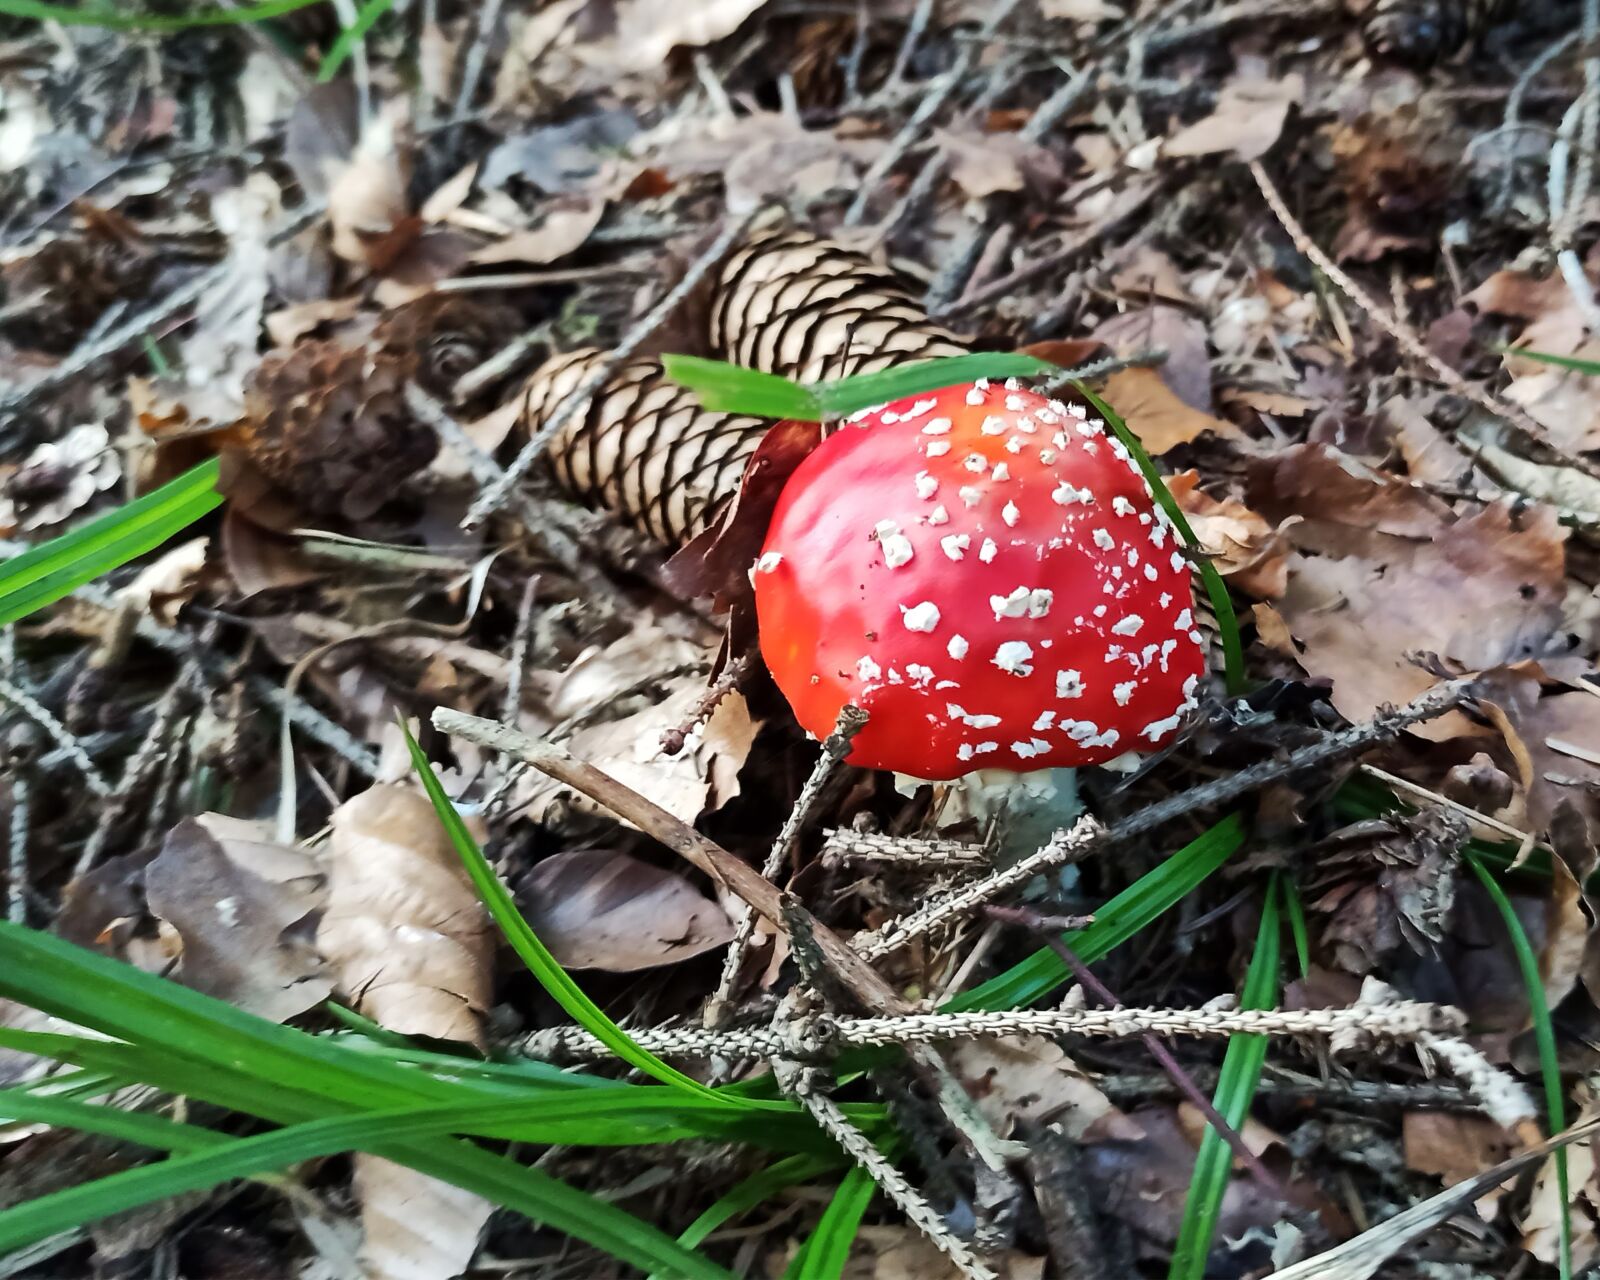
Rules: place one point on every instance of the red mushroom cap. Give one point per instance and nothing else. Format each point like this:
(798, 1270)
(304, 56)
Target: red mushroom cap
(985, 573)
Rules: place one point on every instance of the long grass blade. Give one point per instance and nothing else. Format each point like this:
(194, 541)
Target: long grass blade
(824, 1255)
(117, 20)
(43, 574)
(1544, 1036)
(569, 1210)
(844, 396)
(1143, 901)
(533, 953)
(1236, 1088)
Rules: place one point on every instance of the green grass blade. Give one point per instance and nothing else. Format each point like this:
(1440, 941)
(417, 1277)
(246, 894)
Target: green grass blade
(1562, 362)
(1236, 1088)
(1216, 589)
(633, 1115)
(731, 388)
(572, 1211)
(844, 396)
(754, 1190)
(117, 1000)
(1295, 909)
(1118, 920)
(1544, 1035)
(824, 1255)
(369, 13)
(43, 574)
(69, 15)
(533, 953)
(141, 1128)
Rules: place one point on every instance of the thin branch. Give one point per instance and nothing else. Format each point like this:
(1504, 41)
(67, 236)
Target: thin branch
(17, 856)
(800, 1083)
(1403, 334)
(834, 749)
(1065, 847)
(1356, 1028)
(1316, 755)
(31, 707)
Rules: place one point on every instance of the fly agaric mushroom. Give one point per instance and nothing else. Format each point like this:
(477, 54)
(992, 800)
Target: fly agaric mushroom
(984, 571)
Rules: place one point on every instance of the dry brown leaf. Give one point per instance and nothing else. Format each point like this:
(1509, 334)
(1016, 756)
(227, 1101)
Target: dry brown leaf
(647, 31)
(1155, 414)
(414, 1227)
(403, 927)
(414, 947)
(168, 582)
(1247, 120)
(258, 559)
(603, 909)
(235, 897)
(1345, 506)
(1488, 591)
(562, 231)
(1150, 274)
(977, 166)
(1187, 369)
(288, 325)
(700, 778)
(1276, 404)
(910, 1255)
(1453, 1147)
(1145, 1183)
(1032, 1080)
(1245, 548)
(1541, 1220)
(367, 203)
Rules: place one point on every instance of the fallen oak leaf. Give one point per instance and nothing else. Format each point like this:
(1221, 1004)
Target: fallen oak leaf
(1155, 414)
(234, 897)
(415, 948)
(603, 909)
(1250, 553)
(411, 942)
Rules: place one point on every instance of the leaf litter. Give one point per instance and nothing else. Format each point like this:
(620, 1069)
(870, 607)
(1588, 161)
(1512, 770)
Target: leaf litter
(505, 184)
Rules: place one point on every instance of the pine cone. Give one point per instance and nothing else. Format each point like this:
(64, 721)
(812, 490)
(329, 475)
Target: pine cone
(1384, 884)
(643, 448)
(811, 309)
(1417, 33)
(445, 335)
(77, 278)
(329, 425)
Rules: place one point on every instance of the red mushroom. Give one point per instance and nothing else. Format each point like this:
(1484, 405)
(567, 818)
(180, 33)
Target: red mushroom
(984, 571)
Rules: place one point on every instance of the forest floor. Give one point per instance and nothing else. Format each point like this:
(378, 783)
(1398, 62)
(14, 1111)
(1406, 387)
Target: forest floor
(1304, 248)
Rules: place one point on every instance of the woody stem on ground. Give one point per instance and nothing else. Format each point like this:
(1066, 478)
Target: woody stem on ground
(1032, 920)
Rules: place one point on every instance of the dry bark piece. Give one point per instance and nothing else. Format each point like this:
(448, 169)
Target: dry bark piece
(603, 909)
(810, 309)
(642, 448)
